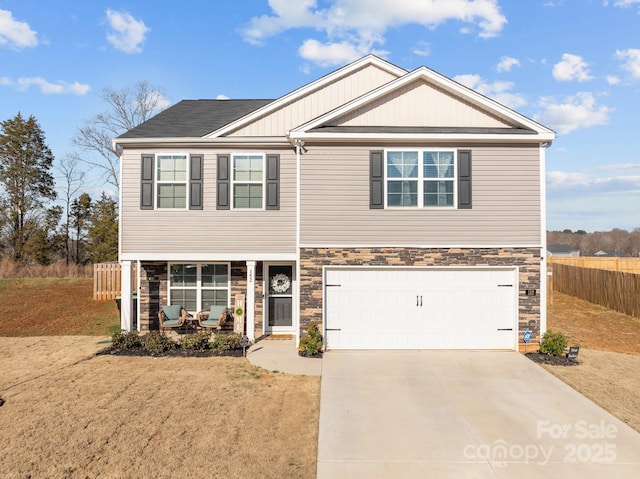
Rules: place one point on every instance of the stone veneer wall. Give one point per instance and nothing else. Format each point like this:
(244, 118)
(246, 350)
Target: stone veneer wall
(527, 259)
(153, 291)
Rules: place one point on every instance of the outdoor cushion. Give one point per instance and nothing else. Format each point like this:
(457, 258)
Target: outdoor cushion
(216, 311)
(172, 312)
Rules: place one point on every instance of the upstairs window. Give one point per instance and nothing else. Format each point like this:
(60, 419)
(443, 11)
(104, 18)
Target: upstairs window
(248, 181)
(420, 178)
(171, 180)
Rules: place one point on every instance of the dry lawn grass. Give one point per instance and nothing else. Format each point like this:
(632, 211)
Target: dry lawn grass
(71, 414)
(609, 355)
(53, 307)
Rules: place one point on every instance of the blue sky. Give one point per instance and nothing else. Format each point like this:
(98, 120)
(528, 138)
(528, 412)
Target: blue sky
(573, 65)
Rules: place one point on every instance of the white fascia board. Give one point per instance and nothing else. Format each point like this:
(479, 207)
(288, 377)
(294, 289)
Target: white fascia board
(203, 257)
(200, 142)
(403, 137)
(310, 87)
(443, 82)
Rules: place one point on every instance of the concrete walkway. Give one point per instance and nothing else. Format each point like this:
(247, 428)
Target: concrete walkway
(281, 355)
(462, 414)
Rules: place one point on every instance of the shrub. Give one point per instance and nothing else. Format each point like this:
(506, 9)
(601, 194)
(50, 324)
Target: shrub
(195, 342)
(156, 342)
(553, 342)
(126, 340)
(311, 344)
(224, 342)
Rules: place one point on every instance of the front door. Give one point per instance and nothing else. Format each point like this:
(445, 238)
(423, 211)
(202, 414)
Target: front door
(279, 288)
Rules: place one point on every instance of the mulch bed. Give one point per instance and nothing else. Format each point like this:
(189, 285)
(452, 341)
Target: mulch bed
(175, 353)
(552, 360)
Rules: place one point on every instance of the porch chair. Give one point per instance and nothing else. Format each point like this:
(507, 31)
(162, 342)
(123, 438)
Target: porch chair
(172, 316)
(214, 318)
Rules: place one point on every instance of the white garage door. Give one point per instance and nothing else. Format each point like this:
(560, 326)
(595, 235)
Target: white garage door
(419, 308)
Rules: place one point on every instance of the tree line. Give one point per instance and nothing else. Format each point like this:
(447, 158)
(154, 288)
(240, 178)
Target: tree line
(34, 227)
(617, 241)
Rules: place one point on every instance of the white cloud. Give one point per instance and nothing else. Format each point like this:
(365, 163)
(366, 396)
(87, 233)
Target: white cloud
(359, 25)
(222, 97)
(579, 111)
(498, 90)
(631, 59)
(46, 87)
(507, 63)
(623, 3)
(571, 67)
(613, 80)
(14, 33)
(127, 33)
(422, 49)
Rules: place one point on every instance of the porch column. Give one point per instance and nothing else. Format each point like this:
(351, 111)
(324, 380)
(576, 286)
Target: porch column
(250, 312)
(126, 297)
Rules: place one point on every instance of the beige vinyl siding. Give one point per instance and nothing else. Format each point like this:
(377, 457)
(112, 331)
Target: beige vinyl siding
(335, 202)
(317, 103)
(208, 230)
(420, 104)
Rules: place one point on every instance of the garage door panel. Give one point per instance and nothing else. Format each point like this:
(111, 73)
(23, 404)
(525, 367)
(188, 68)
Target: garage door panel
(420, 308)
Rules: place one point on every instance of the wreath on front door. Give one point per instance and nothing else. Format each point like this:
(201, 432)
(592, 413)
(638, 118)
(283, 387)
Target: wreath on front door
(280, 283)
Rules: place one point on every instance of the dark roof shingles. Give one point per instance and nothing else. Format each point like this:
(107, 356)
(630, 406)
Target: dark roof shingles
(194, 118)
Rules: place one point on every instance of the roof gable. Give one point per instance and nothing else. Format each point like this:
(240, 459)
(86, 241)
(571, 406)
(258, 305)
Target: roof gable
(423, 102)
(314, 99)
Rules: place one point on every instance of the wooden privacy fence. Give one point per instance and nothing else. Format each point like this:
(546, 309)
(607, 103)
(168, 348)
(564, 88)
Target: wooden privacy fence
(615, 290)
(629, 265)
(106, 281)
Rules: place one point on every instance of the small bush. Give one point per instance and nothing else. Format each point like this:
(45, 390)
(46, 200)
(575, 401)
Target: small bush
(126, 340)
(311, 344)
(223, 342)
(553, 343)
(195, 342)
(157, 343)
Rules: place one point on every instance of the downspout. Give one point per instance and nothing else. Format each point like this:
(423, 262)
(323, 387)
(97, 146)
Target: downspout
(299, 144)
(543, 239)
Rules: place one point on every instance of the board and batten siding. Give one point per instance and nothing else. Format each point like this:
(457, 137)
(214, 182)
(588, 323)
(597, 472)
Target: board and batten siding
(505, 190)
(317, 103)
(420, 104)
(207, 231)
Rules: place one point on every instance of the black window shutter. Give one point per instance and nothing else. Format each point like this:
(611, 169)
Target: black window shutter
(223, 183)
(273, 182)
(464, 179)
(195, 186)
(146, 183)
(376, 178)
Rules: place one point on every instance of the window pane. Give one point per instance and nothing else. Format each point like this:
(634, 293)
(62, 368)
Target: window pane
(187, 298)
(438, 193)
(402, 164)
(172, 196)
(402, 193)
(217, 297)
(247, 196)
(214, 275)
(247, 168)
(438, 164)
(172, 168)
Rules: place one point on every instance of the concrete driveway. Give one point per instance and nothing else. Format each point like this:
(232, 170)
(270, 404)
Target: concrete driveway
(462, 414)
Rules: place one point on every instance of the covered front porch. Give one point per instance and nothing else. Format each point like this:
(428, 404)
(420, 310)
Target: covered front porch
(264, 292)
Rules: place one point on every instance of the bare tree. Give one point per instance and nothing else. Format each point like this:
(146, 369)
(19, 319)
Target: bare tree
(126, 109)
(72, 180)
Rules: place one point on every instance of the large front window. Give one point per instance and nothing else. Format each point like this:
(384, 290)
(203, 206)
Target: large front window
(198, 286)
(420, 178)
(172, 181)
(248, 177)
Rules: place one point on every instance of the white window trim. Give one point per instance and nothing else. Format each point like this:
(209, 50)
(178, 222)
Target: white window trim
(262, 182)
(198, 287)
(421, 179)
(158, 182)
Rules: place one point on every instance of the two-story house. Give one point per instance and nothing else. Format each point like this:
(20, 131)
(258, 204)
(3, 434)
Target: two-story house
(398, 209)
